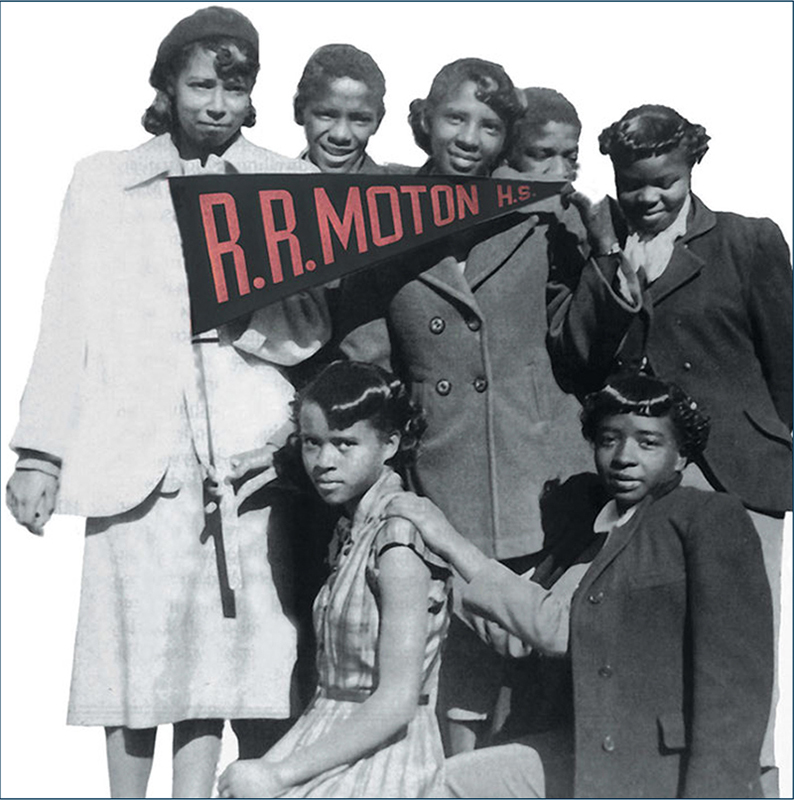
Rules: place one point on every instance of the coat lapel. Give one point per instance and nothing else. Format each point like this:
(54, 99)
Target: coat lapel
(489, 255)
(447, 278)
(616, 542)
(684, 264)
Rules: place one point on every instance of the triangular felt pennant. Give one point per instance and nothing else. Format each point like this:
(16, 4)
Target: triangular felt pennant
(249, 240)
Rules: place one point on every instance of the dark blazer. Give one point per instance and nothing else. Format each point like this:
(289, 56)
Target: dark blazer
(471, 347)
(671, 651)
(718, 322)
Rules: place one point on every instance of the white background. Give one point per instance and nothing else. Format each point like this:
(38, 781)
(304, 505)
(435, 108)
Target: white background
(74, 81)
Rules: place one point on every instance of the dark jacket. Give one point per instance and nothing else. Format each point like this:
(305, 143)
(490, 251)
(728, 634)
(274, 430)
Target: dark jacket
(471, 347)
(718, 322)
(671, 651)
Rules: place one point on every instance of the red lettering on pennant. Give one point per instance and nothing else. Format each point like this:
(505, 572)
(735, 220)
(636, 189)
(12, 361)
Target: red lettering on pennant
(470, 201)
(217, 249)
(327, 218)
(416, 209)
(274, 236)
(504, 194)
(378, 238)
(449, 195)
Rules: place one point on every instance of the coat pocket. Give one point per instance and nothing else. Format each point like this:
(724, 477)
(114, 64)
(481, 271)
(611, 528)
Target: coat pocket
(647, 580)
(672, 731)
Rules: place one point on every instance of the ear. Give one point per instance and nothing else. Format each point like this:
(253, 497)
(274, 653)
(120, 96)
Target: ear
(680, 463)
(392, 445)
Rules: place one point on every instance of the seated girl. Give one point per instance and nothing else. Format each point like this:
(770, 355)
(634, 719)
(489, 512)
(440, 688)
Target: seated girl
(380, 618)
(668, 632)
(339, 103)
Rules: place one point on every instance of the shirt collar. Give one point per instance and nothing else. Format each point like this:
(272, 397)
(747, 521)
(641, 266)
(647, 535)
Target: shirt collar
(609, 517)
(159, 158)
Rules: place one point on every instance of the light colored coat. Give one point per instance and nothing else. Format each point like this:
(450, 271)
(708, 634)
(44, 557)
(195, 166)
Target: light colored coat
(114, 368)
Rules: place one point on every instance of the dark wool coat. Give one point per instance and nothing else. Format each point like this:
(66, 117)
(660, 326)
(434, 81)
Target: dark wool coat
(671, 650)
(718, 322)
(471, 347)
(670, 645)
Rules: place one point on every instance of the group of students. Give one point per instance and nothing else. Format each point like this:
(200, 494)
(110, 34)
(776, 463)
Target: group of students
(631, 612)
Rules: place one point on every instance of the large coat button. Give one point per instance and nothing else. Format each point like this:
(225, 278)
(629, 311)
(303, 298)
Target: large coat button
(608, 744)
(480, 384)
(687, 366)
(443, 387)
(595, 598)
(437, 325)
(474, 323)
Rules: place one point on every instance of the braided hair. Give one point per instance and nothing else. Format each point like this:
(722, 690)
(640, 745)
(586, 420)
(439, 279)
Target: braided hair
(652, 130)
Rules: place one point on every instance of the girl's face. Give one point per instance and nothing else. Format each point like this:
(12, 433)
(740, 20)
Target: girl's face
(550, 153)
(338, 125)
(342, 464)
(636, 456)
(210, 111)
(466, 135)
(652, 191)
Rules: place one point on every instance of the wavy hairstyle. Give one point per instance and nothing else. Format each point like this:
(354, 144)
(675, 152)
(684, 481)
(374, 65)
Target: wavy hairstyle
(652, 130)
(348, 392)
(234, 58)
(647, 396)
(494, 88)
(333, 61)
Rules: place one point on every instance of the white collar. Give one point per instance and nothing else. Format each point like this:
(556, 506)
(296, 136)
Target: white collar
(609, 517)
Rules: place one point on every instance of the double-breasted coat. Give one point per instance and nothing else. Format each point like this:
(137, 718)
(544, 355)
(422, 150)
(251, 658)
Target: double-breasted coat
(718, 322)
(470, 343)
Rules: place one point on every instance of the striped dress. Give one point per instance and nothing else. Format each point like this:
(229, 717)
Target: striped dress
(346, 618)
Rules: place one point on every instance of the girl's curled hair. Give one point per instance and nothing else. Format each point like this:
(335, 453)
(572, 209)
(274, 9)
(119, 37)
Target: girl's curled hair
(331, 62)
(494, 88)
(234, 58)
(348, 392)
(652, 130)
(647, 396)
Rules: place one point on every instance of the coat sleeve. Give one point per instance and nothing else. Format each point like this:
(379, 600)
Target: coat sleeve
(360, 325)
(536, 616)
(587, 320)
(770, 305)
(50, 401)
(730, 623)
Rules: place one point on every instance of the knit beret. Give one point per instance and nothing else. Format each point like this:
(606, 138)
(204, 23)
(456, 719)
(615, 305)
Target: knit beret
(206, 23)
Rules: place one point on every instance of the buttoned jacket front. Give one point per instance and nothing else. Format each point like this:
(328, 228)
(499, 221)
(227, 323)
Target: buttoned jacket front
(470, 343)
(114, 366)
(671, 649)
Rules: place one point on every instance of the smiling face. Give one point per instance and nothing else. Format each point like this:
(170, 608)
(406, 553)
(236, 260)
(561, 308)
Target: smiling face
(339, 123)
(550, 153)
(652, 191)
(466, 135)
(342, 464)
(636, 456)
(209, 110)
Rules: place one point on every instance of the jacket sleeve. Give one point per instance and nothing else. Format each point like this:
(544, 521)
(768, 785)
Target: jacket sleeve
(538, 617)
(50, 401)
(770, 305)
(360, 326)
(730, 616)
(587, 319)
